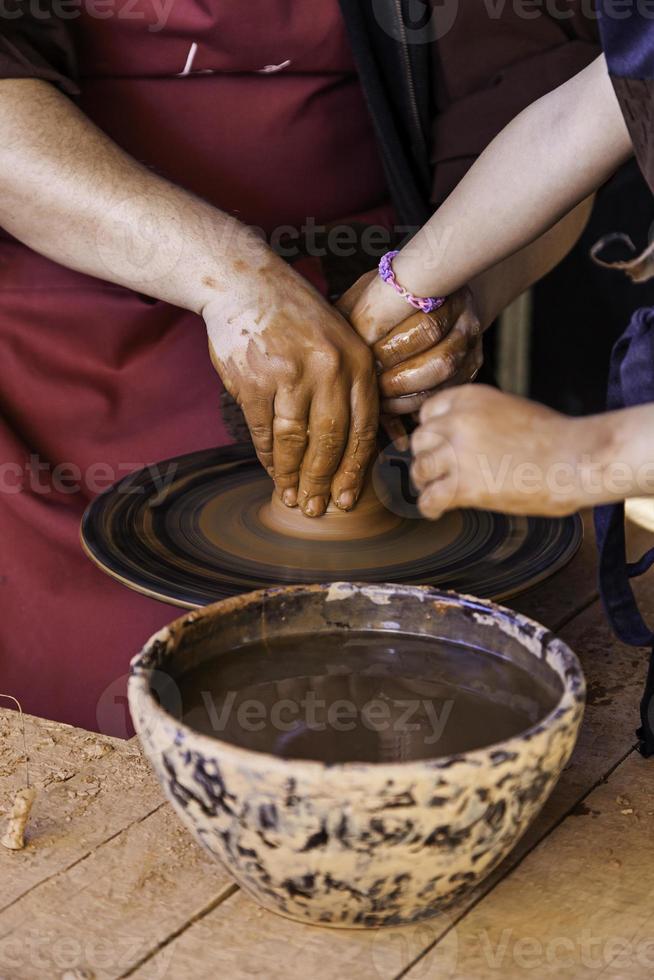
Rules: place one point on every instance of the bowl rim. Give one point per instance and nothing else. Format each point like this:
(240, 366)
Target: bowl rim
(568, 670)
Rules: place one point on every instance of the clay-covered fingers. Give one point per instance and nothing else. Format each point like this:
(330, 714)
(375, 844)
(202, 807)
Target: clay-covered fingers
(407, 404)
(348, 301)
(362, 439)
(396, 431)
(411, 404)
(372, 308)
(418, 333)
(258, 412)
(434, 367)
(329, 424)
(470, 367)
(290, 434)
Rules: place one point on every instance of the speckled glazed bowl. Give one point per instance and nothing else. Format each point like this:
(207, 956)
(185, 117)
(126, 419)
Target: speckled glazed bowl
(354, 844)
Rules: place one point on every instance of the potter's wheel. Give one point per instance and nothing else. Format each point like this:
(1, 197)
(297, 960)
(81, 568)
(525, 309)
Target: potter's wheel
(202, 537)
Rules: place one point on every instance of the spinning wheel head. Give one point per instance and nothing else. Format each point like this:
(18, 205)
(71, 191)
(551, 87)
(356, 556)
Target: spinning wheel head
(216, 531)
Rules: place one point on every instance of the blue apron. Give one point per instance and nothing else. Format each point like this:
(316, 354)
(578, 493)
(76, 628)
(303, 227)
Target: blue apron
(628, 41)
(631, 383)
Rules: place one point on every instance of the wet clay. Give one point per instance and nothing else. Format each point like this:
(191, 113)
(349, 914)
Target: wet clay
(366, 697)
(203, 537)
(368, 519)
(256, 532)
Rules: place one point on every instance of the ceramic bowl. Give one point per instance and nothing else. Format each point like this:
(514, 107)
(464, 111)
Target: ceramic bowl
(354, 844)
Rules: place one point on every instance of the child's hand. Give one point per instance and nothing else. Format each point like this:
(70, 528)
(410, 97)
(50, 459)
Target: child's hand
(477, 447)
(416, 353)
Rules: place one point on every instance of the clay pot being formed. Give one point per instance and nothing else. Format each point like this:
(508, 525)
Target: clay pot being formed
(356, 844)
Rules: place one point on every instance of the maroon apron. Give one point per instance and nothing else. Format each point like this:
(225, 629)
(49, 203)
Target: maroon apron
(257, 108)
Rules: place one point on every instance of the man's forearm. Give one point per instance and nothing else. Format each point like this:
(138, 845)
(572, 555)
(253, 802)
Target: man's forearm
(305, 381)
(496, 288)
(70, 193)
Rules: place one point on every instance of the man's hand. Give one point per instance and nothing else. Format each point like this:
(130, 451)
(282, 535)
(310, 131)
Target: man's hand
(304, 378)
(305, 381)
(416, 353)
(477, 447)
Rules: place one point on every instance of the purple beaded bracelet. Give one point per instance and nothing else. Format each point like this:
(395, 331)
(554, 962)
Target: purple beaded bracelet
(428, 304)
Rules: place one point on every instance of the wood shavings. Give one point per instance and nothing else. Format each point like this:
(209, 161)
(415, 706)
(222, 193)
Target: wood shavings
(96, 750)
(59, 776)
(14, 837)
(90, 790)
(79, 973)
(25, 758)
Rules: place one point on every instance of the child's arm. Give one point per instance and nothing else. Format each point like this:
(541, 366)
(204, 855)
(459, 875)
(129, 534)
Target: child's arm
(477, 447)
(551, 157)
(418, 353)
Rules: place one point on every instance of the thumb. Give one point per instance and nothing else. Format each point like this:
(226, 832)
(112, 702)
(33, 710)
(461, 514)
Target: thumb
(348, 301)
(372, 308)
(441, 403)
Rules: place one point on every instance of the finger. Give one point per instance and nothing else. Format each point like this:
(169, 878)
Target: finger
(438, 497)
(430, 465)
(442, 403)
(258, 411)
(372, 308)
(469, 369)
(428, 437)
(428, 370)
(396, 431)
(409, 404)
(329, 422)
(418, 333)
(362, 441)
(290, 435)
(350, 298)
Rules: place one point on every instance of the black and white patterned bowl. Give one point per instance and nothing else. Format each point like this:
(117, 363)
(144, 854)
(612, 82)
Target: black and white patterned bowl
(355, 844)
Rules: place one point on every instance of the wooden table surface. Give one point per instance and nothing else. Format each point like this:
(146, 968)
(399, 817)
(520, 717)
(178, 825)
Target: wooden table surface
(111, 885)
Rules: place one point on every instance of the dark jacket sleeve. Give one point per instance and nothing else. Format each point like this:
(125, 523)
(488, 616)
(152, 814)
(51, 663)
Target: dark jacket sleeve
(40, 47)
(488, 69)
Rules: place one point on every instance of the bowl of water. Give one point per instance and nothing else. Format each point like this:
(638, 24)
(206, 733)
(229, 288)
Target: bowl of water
(356, 755)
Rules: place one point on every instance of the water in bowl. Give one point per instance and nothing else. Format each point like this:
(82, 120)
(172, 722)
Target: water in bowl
(363, 697)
